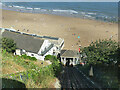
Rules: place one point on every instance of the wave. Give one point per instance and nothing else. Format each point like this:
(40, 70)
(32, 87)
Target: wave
(91, 13)
(75, 13)
(37, 8)
(88, 16)
(43, 10)
(10, 6)
(68, 11)
(21, 7)
(82, 13)
(29, 8)
(17, 6)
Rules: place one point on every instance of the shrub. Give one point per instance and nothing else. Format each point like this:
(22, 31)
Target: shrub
(48, 57)
(51, 58)
(24, 56)
(56, 67)
(9, 45)
(55, 64)
(28, 57)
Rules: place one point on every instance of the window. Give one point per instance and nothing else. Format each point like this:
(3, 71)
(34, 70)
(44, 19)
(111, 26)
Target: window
(32, 54)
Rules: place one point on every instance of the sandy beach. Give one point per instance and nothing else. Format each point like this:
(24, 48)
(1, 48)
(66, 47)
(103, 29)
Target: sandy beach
(75, 31)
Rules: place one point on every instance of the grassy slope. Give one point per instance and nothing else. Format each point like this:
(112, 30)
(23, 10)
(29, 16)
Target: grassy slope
(15, 64)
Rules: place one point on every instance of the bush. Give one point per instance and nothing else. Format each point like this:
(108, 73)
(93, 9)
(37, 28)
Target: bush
(55, 64)
(28, 57)
(24, 56)
(56, 67)
(51, 58)
(48, 57)
(9, 45)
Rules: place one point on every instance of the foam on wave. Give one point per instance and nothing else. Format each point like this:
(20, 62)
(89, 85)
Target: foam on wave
(86, 14)
(37, 8)
(68, 11)
(29, 8)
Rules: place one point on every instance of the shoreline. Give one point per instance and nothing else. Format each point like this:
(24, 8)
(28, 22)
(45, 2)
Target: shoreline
(68, 28)
(19, 10)
(100, 21)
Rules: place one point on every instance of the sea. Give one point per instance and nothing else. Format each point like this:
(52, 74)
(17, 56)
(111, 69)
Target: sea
(103, 11)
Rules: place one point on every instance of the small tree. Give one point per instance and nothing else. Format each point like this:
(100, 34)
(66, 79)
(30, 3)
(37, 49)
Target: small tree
(9, 45)
(102, 51)
(51, 58)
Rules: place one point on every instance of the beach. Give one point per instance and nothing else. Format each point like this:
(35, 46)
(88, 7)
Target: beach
(75, 31)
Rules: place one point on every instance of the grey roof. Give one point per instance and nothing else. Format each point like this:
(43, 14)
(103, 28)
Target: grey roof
(48, 37)
(26, 42)
(69, 53)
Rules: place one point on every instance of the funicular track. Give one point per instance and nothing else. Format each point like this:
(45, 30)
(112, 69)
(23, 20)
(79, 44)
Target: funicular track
(72, 78)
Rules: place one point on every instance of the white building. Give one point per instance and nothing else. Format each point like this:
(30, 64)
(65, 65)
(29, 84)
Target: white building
(70, 57)
(34, 46)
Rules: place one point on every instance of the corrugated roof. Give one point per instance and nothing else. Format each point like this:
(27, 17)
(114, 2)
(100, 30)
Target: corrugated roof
(26, 42)
(69, 53)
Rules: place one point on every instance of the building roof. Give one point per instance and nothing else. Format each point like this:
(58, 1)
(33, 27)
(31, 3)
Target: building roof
(49, 37)
(69, 53)
(26, 42)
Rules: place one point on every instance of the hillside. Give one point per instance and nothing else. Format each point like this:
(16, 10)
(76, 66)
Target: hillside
(33, 74)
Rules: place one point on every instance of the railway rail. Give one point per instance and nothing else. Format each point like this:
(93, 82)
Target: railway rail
(72, 78)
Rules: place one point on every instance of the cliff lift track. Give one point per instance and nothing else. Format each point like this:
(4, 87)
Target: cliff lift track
(73, 79)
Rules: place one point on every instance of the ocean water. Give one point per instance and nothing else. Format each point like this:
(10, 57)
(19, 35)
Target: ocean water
(104, 11)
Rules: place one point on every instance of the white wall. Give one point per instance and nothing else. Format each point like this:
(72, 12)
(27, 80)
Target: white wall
(18, 52)
(35, 55)
(50, 52)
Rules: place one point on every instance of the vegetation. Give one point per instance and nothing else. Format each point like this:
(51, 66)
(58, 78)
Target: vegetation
(31, 73)
(102, 52)
(105, 76)
(8, 44)
(104, 56)
(28, 57)
(51, 58)
(55, 63)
